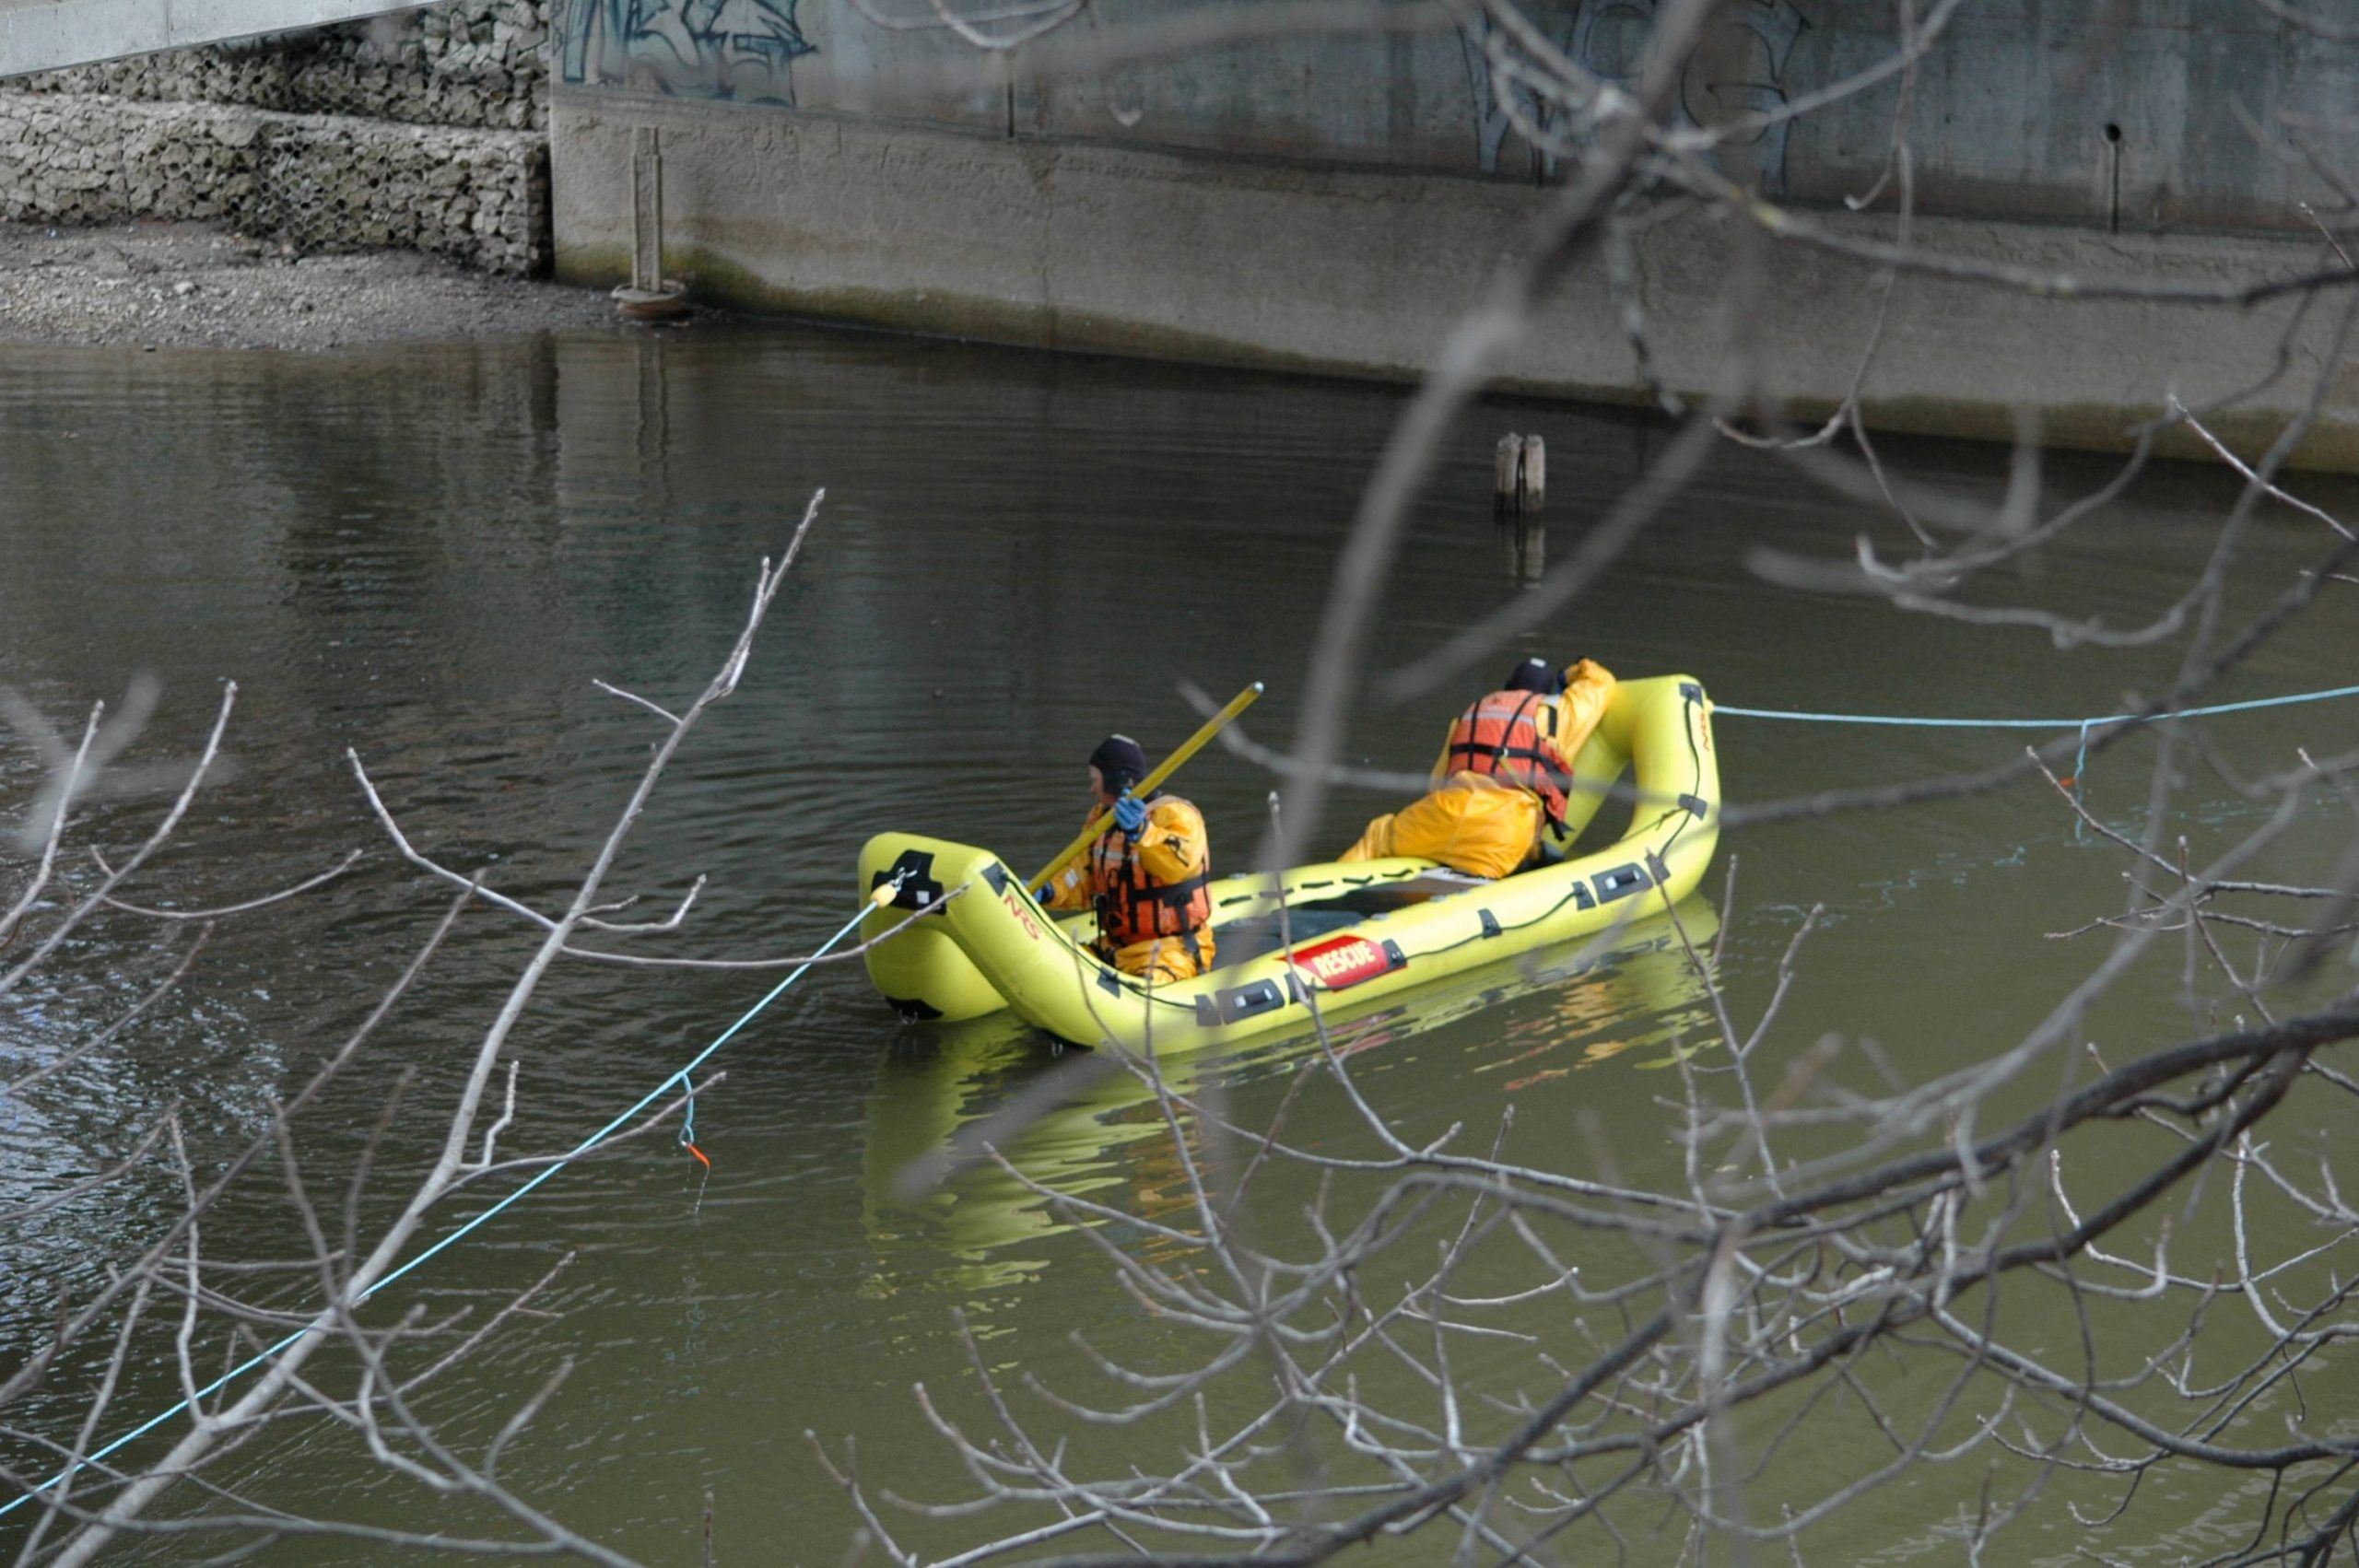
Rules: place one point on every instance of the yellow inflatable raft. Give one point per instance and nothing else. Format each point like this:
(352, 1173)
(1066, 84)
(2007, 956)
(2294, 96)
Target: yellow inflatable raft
(1360, 932)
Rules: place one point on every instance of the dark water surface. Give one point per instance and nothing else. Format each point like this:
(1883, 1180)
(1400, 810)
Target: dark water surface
(428, 553)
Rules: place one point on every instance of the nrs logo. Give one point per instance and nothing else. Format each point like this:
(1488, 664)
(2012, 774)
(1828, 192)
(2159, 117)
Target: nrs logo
(1023, 916)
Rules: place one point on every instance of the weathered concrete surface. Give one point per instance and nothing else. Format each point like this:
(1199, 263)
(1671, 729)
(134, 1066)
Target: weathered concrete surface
(481, 63)
(44, 35)
(2119, 116)
(1360, 272)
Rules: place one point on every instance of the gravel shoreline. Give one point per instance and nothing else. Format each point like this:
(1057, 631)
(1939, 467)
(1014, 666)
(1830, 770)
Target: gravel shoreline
(159, 285)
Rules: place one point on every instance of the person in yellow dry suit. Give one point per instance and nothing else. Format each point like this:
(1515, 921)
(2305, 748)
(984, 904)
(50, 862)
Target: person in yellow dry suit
(1146, 875)
(1500, 786)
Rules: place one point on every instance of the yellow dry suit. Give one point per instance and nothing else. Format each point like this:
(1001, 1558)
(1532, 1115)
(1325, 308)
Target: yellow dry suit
(1473, 823)
(1154, 914)
(1499, 798)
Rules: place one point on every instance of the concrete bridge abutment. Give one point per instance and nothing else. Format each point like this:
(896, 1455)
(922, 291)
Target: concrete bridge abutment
(1201, 255)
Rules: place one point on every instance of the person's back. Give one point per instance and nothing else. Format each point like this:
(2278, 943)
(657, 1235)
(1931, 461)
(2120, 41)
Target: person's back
(1502, 781)
(1570, 705)
(1502, 736)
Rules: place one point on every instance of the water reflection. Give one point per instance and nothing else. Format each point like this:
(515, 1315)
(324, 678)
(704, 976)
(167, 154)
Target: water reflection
(1523, 549)
(1106, 1137)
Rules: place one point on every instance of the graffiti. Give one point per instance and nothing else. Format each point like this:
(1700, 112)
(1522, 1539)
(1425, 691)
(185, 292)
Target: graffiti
(740, 49)
(1495, 115)
(1738, 70)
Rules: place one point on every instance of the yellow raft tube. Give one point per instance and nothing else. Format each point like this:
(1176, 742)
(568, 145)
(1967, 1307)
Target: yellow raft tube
(1362, 931)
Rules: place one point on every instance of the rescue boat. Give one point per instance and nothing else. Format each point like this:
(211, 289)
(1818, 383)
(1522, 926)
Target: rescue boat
(1339, 937)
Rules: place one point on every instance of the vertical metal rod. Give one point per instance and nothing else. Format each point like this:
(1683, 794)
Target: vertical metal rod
(2113, 178)
(646, 209)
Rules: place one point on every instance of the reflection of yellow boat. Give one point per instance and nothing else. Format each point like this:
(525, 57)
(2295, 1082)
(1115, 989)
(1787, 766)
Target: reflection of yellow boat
(1643, 991)
(1360, 932)
(1106, 1131)
(1103, 1131)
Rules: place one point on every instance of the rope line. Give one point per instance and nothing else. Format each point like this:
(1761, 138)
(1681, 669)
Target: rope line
(587, 1144)
(2081, 723)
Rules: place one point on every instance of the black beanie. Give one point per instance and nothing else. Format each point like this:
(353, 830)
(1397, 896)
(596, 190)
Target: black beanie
(1532, 675)
(1120, 760)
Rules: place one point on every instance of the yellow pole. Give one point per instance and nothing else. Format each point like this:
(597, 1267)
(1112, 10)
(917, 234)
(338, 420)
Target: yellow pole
(1148, 785)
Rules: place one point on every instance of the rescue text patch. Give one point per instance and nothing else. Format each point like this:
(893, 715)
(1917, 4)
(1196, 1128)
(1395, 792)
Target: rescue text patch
(1345, 961)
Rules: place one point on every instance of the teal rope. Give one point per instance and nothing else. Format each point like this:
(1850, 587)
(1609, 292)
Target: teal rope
(578, 1150)
(2080, 761)
(2080, 771)
(2082, 724)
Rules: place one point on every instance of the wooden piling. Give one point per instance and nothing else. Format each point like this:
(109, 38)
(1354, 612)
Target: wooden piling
(1506, 470)
(1519, 475)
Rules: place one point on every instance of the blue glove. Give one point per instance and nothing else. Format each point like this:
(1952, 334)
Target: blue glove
(1130, 812)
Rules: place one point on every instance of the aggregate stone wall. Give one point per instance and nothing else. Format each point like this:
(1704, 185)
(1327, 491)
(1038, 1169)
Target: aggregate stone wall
(320, 182)
(474, 62)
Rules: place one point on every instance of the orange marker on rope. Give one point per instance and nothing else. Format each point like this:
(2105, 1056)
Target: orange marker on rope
(688, 1133)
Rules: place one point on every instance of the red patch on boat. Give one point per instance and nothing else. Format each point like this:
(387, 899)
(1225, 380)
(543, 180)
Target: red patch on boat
(1343, 962)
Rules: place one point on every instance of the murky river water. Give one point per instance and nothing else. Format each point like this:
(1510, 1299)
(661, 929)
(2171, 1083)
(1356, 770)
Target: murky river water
(427, 555)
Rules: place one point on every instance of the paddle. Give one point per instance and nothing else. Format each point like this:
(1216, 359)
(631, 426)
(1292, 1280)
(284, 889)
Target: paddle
(1147, 785)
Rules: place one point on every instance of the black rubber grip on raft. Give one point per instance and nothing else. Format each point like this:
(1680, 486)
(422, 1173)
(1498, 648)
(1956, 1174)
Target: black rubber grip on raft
(915, 868)
(1621, 882)
(1239, 1001)
(1691, 691)
(1696, 806)
(1490, 923)
(996, 874)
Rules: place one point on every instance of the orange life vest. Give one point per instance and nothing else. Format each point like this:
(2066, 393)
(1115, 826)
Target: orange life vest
(1132, 906)
(1500, 736)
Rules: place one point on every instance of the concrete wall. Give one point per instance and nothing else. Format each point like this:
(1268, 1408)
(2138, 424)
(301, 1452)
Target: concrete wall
(1189, 255)
(481, 63)
(1332, 203)
(2080, 110)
